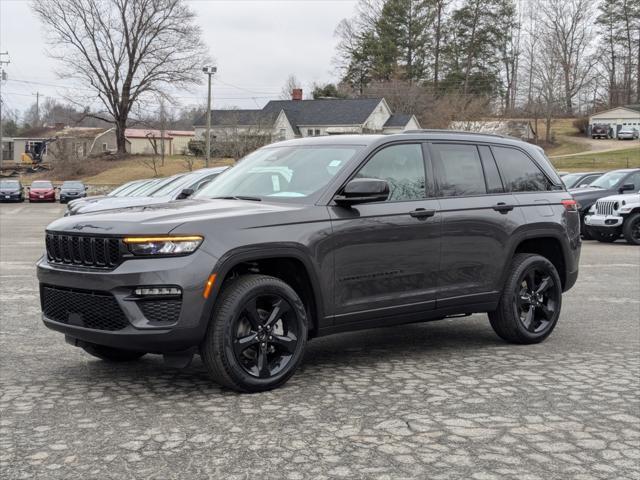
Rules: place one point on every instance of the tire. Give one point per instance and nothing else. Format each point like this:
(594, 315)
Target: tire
(248, 347)
(584, 230)
(528, 321)
(631, 229)
(604, 237)
(111, 354)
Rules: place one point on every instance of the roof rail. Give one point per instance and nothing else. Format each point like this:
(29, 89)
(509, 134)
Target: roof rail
(455, 132)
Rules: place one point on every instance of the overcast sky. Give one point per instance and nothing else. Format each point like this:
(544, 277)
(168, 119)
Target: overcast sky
(256, 44)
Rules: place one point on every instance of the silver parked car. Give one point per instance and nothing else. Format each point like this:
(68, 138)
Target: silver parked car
(628, 133)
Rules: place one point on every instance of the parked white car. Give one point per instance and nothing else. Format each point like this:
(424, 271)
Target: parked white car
(613, 216)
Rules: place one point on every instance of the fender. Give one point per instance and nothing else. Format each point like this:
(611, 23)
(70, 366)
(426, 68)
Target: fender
(270, 250)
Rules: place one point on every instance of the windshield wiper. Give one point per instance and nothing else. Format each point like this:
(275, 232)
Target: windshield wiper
(239, 197)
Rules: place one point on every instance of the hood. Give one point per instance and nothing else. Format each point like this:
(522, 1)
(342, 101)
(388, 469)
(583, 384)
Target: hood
(162, 218)
(10, 190)
(114, 203)
(41, 190)
(628, 198)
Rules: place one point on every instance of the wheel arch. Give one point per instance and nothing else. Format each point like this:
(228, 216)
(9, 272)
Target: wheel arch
(548, 245)
(291, 263)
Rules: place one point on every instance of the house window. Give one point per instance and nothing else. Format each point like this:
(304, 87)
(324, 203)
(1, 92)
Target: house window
(309, 132)
(104, 147)
(283, 134)
(317, 132)
(32, 145)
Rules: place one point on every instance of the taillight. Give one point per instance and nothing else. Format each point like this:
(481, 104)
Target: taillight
(570, 205)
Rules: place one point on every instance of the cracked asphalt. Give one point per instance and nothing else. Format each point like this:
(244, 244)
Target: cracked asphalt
(440, 400)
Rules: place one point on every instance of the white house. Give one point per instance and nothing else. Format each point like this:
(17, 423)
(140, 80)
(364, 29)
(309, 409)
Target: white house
(616, 118)
(287, 119)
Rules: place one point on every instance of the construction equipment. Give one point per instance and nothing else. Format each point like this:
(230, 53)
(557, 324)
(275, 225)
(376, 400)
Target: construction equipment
(34, 153)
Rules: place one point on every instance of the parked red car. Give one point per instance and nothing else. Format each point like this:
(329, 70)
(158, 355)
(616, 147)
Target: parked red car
(42, 191)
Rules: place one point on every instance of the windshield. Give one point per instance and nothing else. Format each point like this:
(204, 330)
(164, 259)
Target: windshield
(162, 184)
(79, 185)
(608, 180)
(571, 179)
(143, 190)
(281, 173)
(182, 182)
(9, 184)
(42, 184)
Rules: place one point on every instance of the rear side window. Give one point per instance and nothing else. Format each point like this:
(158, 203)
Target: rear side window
(459, 170)
(491, 175)
(519, 172)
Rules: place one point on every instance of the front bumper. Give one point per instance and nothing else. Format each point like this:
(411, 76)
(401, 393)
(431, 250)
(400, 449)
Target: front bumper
(11, 197)
(42, 198)
(142, 331)
(603, 221)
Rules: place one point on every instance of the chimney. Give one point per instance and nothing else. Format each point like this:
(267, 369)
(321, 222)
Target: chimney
(296, 94)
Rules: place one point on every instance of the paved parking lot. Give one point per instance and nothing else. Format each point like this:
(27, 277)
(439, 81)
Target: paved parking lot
(437, 400)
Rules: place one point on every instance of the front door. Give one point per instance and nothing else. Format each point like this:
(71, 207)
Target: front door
(387, 254)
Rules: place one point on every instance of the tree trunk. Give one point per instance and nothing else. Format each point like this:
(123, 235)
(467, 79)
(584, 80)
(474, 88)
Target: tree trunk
(121, 141)
(436, 63)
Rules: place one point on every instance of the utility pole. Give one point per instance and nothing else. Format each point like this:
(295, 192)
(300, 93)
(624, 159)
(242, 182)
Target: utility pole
(38, 108)
(3, 77)
(209, 71)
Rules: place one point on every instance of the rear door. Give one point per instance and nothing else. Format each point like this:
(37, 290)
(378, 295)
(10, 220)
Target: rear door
(478, 219)
(387, 254)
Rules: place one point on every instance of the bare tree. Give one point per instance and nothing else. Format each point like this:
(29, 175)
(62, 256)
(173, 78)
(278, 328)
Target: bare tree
(568, 25)
(125, 50)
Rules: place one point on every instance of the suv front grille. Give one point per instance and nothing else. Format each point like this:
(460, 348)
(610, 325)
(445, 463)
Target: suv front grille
(83, 251)
(604, 207)
(82, 308)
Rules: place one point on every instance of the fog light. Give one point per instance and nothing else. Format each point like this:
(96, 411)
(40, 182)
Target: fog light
(158, 291)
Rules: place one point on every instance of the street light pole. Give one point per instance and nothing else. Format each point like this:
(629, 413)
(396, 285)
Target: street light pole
(209, 71)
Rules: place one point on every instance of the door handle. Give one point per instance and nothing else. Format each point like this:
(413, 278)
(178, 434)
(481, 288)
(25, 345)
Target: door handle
(502, 207)
(422, 213)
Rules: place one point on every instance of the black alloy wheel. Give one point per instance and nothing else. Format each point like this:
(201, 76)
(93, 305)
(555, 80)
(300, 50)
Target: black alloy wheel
(536, 300)
(529, 307)
(266, 335)
(631, 229)
(257, 335)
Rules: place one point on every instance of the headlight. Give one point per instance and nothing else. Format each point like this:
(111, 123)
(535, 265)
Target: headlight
(176, 245)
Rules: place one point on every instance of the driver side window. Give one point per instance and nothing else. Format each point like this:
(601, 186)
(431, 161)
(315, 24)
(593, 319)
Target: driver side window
(402, 167)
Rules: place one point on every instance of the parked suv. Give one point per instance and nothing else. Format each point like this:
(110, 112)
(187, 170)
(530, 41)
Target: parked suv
(72, 190)
(613, 216)
(315, 236)
(11, 190)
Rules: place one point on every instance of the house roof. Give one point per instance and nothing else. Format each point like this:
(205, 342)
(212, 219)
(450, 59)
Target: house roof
(330, 111)
(635, 108)
(398, 120)
(182, 133)
(146, 133)
(247, 118)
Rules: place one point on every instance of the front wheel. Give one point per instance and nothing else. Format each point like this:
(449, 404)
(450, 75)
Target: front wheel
(257, 335)
(631, 229)
(530, 303)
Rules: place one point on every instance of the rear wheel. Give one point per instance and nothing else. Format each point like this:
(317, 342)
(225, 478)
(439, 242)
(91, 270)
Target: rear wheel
(604, 237)
(631, 229)
(257, 335)
(530, 304)
(111, 354)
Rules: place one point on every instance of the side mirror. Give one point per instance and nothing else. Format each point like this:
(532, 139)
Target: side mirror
(186, 193)
(627, 187)
(363, 190)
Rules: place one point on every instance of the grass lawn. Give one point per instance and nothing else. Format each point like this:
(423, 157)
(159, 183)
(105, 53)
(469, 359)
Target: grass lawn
(628, 158)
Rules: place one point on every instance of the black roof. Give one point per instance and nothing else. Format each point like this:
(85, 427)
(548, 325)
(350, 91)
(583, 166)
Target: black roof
(330, 111)
(239, 117)
(398, 120)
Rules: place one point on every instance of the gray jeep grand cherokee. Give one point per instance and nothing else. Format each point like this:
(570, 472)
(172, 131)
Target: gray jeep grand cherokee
(316, 236)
